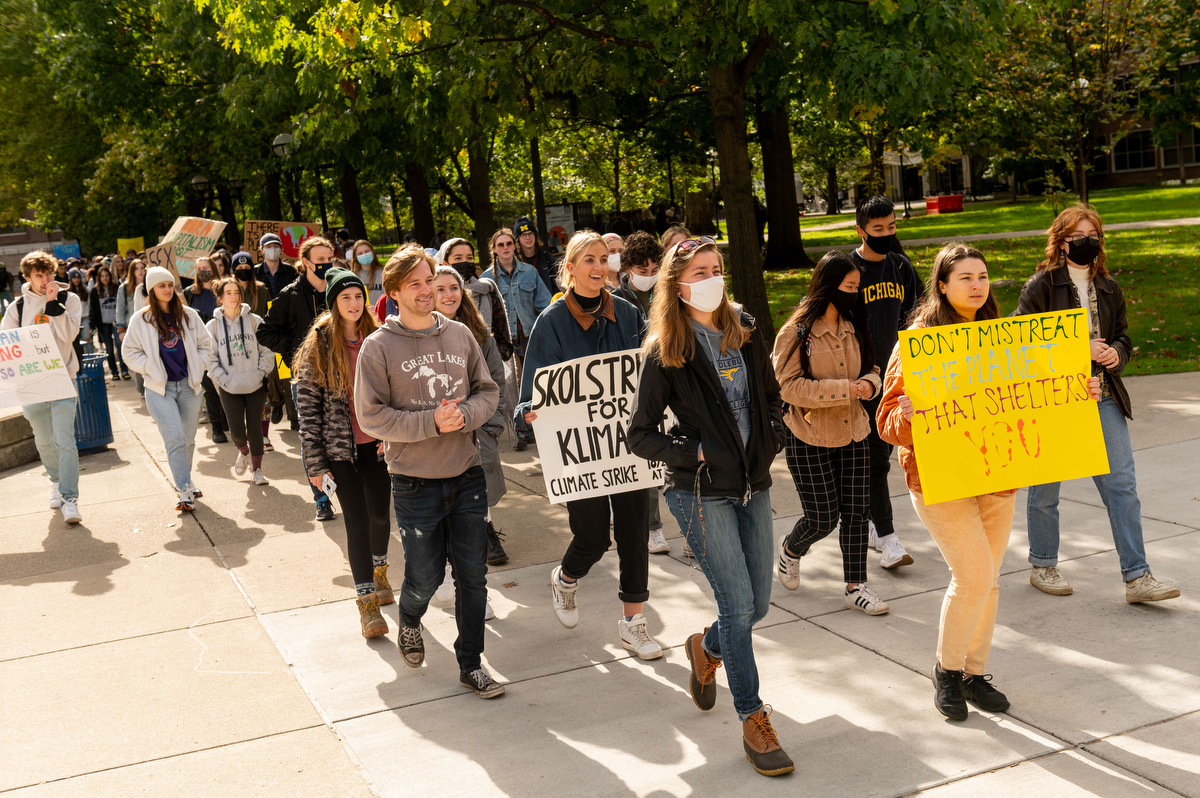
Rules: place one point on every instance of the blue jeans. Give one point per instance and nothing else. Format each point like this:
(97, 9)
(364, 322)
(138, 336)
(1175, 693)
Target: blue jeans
(733, 545)
(177, 415)
(54, 435)
(318, 494)
(440, 518)
(1118, 491)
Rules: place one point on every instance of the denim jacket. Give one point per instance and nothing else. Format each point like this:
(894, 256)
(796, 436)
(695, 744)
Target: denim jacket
(525, 296)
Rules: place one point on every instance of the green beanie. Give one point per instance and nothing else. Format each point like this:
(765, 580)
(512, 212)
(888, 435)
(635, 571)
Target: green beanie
(337, 280)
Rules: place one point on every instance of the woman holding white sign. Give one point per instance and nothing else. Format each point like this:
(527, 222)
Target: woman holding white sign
(826, 369)
(589, 321)
(971, 533)
(1074, 275)
(706, 360)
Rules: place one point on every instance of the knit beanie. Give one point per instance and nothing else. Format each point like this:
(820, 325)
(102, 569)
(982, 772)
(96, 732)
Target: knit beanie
(337, 280)
(156, 275)
(523, 225)
(241, 259)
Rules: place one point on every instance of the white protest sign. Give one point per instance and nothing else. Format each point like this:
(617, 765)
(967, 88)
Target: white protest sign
(31, 367)
(583, 408)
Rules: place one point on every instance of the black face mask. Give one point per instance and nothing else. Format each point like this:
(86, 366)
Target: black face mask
(1083, 254)
(243, 274)
(465, 269)
(881, 245)
(319, 269)
(844, 301)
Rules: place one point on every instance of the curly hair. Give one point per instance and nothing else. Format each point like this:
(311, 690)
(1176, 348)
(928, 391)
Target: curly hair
(641, 248)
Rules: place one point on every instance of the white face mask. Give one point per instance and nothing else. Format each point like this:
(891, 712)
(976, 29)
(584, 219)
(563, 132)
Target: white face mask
(272, 253)
(641, 282)
(706, 294)
(614, 261)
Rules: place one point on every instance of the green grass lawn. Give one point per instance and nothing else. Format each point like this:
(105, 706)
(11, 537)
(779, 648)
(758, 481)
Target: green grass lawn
(1115, 205)
(1158, 269)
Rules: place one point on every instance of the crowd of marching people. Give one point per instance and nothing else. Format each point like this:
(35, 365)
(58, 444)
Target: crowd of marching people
(402, 376)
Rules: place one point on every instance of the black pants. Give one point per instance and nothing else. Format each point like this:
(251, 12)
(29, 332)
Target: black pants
(589, 526)
(243, 413)
(364, 490)
(832, 483)
(212, 403)
(108, 337)
(279, 391)
(881, 463)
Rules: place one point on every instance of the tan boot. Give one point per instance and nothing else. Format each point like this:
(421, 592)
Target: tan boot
(373, 622)
(383, 588)
(762, 746)
(703, 679)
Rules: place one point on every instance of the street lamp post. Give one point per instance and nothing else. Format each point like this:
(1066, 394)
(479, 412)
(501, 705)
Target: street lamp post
(281, 146)
(200, 183)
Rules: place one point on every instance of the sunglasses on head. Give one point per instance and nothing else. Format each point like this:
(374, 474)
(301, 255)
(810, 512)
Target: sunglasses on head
(1078, 241)
(692, 243)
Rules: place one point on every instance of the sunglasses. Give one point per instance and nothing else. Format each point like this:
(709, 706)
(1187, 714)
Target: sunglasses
(504, 244)
(693, 243)
(1078, 241)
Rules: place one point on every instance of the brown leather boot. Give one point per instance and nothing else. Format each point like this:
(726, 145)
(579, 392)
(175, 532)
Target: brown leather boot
(762, 746)
(383, 588)
(703, 680)
(373, 622)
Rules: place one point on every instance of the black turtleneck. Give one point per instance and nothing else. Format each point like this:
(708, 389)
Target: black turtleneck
(589, 304)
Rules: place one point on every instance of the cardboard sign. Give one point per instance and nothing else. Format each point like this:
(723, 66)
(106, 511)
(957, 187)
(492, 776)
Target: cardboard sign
(70, 250)
(1002, 404)
(193, 238)
(583, 410)
(31, 367)
(163, 256)
(291, 235)
(126, 244)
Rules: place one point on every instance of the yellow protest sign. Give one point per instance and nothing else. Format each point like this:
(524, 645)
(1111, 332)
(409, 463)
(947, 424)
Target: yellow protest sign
(1002, 404)
(126, 244)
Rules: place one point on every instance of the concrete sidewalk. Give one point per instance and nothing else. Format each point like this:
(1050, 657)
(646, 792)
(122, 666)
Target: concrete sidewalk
(147, 652)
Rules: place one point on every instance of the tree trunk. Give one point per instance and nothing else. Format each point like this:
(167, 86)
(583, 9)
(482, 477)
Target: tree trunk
(395, 214)
(293, 184)
(785, 250)
(831, 192)
(539, 197)
(352, 211)
(726, 94)
(698, 213)
(233, 234)
(1012, 187)
(479, 181)
(616, 173)
(671, 179)
(876, 184)
(1082, 169)
(417, 186)
(274, 198)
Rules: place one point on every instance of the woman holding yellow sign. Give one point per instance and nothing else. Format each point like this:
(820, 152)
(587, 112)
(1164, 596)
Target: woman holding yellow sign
(1074, 271)
(971, 533)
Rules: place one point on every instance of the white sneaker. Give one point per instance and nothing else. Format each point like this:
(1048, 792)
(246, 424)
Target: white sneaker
(564, 599)
(635, 638)
(55, 496)
(71, 513)
(894, 554)
(861, 598)
(239, 465)
(488, 612)
(260, 478)
(873, 537)
(789, 566)
(445, 593)
(658, 544)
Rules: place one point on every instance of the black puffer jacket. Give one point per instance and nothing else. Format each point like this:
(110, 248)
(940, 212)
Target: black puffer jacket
(290, 316)
(1052, 289)
(695, 395)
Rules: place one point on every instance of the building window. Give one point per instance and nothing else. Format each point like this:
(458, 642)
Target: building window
(1133, 152)
(1190, 142)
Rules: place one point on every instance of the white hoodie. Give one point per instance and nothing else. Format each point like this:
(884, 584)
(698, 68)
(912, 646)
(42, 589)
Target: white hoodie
(238, 363)
(142, 354)
(65, 326)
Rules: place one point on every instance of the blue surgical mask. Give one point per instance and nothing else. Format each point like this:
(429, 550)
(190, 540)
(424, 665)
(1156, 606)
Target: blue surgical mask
(366, 258)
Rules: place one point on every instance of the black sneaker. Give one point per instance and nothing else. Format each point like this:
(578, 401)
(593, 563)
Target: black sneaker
(521, 445)
(219, 437)
(324, 509)
(977, 690)
(948, 693)
(277, 414)
(125, 375)
(295, 425)
(495, 552)
(411, 645)
(482, 683)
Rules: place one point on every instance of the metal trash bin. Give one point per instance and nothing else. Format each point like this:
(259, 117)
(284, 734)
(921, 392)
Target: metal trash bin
(93, 424)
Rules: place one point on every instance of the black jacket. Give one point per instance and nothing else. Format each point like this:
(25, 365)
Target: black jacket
(1051, 289)
(284, 276)
(290, 316)
(547, 268)
(695, 395)
(627, 293)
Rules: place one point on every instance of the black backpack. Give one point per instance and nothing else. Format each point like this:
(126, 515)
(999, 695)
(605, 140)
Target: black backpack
(76, 343)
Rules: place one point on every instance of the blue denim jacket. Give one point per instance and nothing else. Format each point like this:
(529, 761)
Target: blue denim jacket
(525, 296)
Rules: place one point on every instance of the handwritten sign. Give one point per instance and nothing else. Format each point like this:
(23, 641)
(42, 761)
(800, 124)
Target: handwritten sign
(69, 250)
(126, 244)
(193, 238)
(1002, 404)
(162, 256)
(583, 409)
(291, 236)
(31, 367)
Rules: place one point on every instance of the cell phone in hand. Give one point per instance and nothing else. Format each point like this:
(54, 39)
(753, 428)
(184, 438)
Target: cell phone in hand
(328, 485)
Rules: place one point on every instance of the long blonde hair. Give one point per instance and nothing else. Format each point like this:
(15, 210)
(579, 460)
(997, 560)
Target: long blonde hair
(670, 338)
(467, 314)
(579, 244)
(324, 358)
(1062, 227)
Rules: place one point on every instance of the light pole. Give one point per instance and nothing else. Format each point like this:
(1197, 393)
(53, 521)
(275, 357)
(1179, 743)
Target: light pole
(200, 184)
(281, 146)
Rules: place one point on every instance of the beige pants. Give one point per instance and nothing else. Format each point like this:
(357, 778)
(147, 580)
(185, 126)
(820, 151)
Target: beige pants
(972, 535)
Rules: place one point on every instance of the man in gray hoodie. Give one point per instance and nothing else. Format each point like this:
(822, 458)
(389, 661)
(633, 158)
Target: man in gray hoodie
(422, 386)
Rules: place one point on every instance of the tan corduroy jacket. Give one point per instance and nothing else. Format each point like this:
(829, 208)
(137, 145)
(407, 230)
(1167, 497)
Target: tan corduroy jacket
(822, 408)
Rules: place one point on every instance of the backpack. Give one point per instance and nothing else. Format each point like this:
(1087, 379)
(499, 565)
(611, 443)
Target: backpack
(76, 344)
